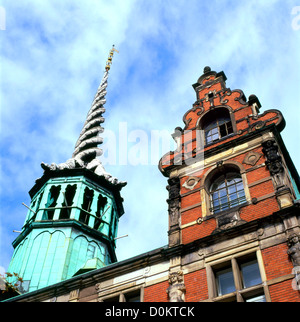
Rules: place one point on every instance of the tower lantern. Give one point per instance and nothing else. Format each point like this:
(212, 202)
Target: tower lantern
(72, 220)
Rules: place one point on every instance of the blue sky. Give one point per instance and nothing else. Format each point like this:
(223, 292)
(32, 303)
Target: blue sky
(53, 55)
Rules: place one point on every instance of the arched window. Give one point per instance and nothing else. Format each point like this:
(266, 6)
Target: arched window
(51, 203)
(226, 191)
(216, 124)
(86, 206)
(68, 201)
(102, 201)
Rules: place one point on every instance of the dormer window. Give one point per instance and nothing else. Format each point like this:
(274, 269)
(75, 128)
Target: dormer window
(216, 125)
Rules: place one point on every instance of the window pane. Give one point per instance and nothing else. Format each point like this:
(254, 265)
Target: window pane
(225, 281)
(223, 192)
(214, 131)
(211, 125)
(215, 198)
(233, 198)
(232, 189)
(229, 128)
(215, 137)
(224, 200)
(208, 139)
(241, 195)
(250, 273)
(211, 134)
(133, 298)
(223, 130)
(260, 298)
(240, 186)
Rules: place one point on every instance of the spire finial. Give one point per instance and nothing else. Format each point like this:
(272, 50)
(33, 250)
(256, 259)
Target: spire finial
(109, 60)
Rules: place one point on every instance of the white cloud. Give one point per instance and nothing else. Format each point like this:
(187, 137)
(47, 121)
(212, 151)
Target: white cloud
(53, 60)
(2, 270)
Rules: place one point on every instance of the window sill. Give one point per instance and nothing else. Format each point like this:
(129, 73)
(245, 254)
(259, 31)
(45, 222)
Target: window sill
(220, 140)
(230, 297)
(245, 293)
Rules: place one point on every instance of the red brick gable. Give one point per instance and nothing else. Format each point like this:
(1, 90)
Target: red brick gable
(213, 95)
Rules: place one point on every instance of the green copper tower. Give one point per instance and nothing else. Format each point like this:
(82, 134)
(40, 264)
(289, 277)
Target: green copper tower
(72, 220)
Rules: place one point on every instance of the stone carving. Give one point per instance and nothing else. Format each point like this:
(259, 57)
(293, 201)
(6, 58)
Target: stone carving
(98, 287)
(274, 162)
(191, 182)
(294, 253)
(176, 290)
(252, 158)
(74, 295)
(294, 250)
(174, 188)
(227, 221)
(174, 210)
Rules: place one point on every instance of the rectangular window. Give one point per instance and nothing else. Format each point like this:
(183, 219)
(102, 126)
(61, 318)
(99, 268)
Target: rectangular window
(237, 280)
(135, 295)
(250, 273)
(225, 281)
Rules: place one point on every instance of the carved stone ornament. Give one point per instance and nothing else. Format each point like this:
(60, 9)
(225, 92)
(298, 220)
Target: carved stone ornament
(294, 250)
(174, 211)
(191, 182)
(174, 188)
(176, 291)
(227, 221)
(252, 158)
(274, 162)
(174, 200)
(74, 295)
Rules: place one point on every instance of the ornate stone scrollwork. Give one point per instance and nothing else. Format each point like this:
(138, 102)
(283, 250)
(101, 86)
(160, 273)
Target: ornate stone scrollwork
(176, 290)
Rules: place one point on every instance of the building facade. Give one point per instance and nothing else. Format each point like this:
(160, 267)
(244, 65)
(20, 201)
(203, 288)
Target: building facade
(233, 207)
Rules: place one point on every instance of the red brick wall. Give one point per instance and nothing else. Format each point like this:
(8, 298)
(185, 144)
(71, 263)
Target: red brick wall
(190, 215)
(278, 264)
(195, 232)
(196, 286)
(283, 292)
(157, 292)
(262, 209)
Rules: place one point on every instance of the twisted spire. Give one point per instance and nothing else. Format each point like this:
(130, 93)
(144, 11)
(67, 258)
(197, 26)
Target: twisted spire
(86, 148)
